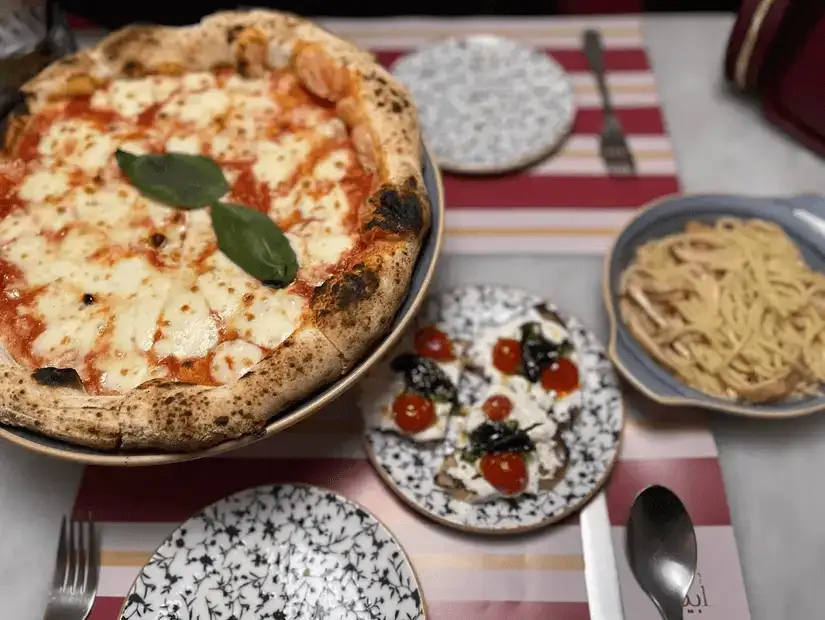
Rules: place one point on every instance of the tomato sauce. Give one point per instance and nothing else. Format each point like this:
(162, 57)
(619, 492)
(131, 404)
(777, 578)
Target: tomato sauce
(20, 330)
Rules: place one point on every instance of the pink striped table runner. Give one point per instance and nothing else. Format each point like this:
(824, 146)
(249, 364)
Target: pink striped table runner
(566, 204)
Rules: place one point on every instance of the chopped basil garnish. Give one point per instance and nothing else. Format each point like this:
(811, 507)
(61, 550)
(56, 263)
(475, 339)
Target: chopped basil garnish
(249, 238)
(498, 436)
(424, 377)
(538, 353)
(175, 179)
(252, 241)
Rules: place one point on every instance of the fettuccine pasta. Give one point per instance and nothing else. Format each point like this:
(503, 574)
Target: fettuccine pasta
(730, 308)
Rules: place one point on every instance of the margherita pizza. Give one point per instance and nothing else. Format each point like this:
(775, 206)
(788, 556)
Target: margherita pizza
(200, 226)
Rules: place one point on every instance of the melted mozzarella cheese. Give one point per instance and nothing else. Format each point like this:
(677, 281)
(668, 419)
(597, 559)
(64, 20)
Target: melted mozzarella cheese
(252, 86)
(131, 97)
(199, 81)
(233, 359)
(187, 328)
(316, 249)
(108, 206)
(200, 108)
(334, 166)
(52, 217)
(270, 317)
(19, 223)
(42, 185)
(224, 285)
(190, 145)
(77, 143)
(124, 372)
(70, 328)
(277, 161)
(136, 316)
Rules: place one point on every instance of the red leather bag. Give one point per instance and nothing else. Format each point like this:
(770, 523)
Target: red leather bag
(776, 52)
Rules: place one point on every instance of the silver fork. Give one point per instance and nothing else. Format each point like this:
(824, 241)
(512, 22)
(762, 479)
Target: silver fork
(613, 144)
(75, 573)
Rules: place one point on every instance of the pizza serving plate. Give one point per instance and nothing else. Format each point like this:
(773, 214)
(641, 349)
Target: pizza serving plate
(421, 277)
(215, 231)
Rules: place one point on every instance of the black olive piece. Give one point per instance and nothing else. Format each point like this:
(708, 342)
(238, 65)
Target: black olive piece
(500, 436)
(424, 377)
(88, 299)
(537, 353)
(157, 240)
(58, 377)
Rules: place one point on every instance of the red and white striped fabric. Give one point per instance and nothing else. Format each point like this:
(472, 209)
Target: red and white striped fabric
(537, 577)
(567, 204)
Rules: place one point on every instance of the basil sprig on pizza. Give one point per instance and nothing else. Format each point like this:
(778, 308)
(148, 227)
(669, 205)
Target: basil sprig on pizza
(199, 227)
(249, 238)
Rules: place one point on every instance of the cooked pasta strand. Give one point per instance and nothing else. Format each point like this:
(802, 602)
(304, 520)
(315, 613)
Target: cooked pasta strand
(731, 308)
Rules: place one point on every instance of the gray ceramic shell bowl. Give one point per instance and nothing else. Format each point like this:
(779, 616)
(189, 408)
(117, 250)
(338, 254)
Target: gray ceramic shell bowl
(668, 216)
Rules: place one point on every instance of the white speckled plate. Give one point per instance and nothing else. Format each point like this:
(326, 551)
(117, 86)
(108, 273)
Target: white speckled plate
(591, 436)
(278, 552)
(488, 104)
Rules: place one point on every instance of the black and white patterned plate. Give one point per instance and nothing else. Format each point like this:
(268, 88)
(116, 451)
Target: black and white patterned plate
(278, 552)
(591, 438)
(488, 104)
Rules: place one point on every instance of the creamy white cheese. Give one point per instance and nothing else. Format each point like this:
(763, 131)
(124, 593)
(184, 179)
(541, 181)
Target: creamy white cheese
(481, 354)
(382, 386)
(542, 463)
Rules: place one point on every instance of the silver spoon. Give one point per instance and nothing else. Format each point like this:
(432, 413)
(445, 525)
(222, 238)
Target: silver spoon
(661, 549)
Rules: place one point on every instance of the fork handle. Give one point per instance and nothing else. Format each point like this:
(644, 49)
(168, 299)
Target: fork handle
(595, 58)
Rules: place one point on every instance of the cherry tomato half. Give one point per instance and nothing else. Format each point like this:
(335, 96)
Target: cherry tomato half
(506, 471)
(434, 344)
(507, 355)
(413, 413)
(497, 407)
(562, 378)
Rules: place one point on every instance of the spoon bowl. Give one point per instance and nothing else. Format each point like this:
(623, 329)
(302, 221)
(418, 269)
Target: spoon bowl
(661, 548)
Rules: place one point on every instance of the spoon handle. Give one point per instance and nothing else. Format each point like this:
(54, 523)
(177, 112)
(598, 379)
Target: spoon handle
(671, 610)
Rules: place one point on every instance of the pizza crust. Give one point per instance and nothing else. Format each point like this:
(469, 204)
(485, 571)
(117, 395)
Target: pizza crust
(356, 307)
(168, 415)
(64, 413)
(347, 314)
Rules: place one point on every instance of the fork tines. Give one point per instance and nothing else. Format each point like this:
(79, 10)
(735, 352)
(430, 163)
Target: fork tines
(76, 571)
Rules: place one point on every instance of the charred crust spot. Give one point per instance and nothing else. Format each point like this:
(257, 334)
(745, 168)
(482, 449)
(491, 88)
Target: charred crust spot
(222, 420)
(58, 377)
(397, 210)
(353, 287)
(133, 68)
(233, 32)
(243, 66)
(397, 107)
(88, 299)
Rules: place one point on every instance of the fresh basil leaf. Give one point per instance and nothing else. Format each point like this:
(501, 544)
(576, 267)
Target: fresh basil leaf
(175, 179)
(252, 241)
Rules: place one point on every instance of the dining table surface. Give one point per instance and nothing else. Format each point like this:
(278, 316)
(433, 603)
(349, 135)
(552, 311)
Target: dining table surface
(772, 468)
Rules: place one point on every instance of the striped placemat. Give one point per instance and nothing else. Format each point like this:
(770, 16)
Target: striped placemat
(533, 577)
(567, 204)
